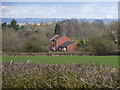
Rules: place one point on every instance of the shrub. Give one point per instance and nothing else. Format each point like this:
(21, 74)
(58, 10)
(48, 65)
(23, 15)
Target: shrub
(29, 75)
(36, 43)
(31, 47)
(11, 41)
(82, 43)
(101, 46)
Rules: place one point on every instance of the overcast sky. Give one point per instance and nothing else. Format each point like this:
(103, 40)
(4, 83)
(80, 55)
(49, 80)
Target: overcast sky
(60, 0)
(60, 9)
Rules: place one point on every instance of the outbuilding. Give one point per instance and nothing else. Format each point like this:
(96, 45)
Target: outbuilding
(61, 43)
(67, 46)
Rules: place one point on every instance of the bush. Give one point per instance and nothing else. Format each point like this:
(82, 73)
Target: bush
(82, 43)
(29, 75)
(101, 46)
(31, 47)
(11, 41)
(36, 43)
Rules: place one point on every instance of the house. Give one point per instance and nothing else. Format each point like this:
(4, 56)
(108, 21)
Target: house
(67, 46)
(61, 43)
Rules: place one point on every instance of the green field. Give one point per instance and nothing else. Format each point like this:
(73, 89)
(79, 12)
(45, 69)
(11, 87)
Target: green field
(102, 60)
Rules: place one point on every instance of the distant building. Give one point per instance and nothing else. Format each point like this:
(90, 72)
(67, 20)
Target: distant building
(61, 43)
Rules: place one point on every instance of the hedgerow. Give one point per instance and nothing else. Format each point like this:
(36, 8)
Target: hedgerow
(30, 75)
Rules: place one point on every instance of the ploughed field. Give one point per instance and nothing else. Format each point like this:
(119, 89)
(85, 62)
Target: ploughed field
(101, 60)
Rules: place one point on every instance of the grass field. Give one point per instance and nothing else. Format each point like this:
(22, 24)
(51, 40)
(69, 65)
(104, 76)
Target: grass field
(102, 60)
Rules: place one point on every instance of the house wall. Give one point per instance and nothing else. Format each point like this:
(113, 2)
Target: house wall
(62, 40)
(49, 46)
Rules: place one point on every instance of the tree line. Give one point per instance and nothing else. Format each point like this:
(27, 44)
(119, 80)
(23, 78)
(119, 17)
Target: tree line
(96, 37)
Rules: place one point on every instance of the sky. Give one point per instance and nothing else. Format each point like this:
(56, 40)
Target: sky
(59, 9)
(60, 0)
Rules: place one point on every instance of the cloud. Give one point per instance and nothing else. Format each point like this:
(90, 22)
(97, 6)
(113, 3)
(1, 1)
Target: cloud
(60, 0)
(66, 10)
(3, 7)
(29, 11)
(111, 11)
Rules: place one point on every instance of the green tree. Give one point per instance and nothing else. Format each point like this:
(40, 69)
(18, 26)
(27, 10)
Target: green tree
(4, 25)
(14, 25)
(57, 29)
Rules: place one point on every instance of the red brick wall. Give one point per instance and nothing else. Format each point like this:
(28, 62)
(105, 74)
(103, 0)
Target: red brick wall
(62, 40)
(49, 46)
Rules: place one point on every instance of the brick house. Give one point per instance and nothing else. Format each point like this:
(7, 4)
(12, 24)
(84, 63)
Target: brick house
(61, 43)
